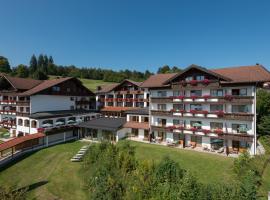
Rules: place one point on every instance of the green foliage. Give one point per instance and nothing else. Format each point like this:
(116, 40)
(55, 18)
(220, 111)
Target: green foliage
(263, 103)
(166, 69)
(4, 65)
(39, 75)
(22, 71)
(10, 193)
(264, 125)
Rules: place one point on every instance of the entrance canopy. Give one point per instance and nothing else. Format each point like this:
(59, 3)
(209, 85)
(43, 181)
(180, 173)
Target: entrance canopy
(104, 123)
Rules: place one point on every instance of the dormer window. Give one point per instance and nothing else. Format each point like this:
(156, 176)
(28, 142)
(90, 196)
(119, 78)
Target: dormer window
(200, 78)
(189, 78)
(56, 88)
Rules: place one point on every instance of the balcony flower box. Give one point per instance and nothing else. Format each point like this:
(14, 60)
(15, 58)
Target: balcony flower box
(182, 111)
(135, 100)
(193, 82)
(218, 131)
(193, 112)
(171, 128)
(206, 131)
(193, 97)
(205, 112)
(172, 97)
(193, 129)
(228, 97)
(183, 83)
(206, 97)
(181, 97)
(219, 113)
(140, 100)
(180, 128)
(206, 81)
(120, 99)
(173, 110)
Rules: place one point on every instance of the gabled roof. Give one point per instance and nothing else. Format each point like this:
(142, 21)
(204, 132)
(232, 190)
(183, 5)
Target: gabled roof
(157, 80)
(219, 76)
(21, 83)
(47, 84)
(245, 74)
(110, 87)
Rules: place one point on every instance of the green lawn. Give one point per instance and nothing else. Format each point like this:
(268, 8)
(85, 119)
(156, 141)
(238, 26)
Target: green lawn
(64, 177)
(207, 167)
(52, 165)
(92, 84)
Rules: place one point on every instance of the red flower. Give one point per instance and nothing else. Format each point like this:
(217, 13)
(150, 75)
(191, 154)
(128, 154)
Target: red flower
(205, 131)
(193, 111)
(182, 111)
(193, 97)
(181, 97)
(205, 112)
(205, 81)
(206, 96)
(218, 131)
(193, 82)
(193, 129)
(173, 110)
(220, 113)
(181, 127)
(228, 97)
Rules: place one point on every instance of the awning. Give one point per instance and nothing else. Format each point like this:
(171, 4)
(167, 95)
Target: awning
(19, 140)
(104, 123)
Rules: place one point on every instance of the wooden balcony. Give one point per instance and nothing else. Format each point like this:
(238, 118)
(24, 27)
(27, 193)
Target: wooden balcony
(193, 85)
(161, 100)
(204, 114)
(23, 103)
(130, 92)
(23, 114)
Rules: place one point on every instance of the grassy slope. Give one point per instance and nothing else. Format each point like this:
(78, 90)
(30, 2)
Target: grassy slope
(207, 167)
(89, 83)
(65, 181)
(52, 165)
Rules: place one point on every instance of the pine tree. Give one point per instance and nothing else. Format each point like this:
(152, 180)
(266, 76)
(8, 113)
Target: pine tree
(33, 64)
(40, 61)
(22, 71)
(51, 60)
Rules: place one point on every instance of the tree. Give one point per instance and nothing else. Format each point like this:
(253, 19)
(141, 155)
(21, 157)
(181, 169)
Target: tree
(22, 71)
(51, 60)
(263, 103)
(39, 75)
(264, 125)
(4, 65)
(163, 70)
(33, 64)
(40, 61)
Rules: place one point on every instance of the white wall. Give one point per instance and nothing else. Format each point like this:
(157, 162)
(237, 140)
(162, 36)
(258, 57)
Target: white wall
(41, 103)
(121, 133)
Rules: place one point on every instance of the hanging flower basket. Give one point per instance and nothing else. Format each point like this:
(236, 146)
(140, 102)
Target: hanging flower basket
(228, 97)
(193, 82)
(219, 113)
(206, 81)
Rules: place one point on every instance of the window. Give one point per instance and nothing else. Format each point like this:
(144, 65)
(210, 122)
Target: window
(20, 122)
(162, 93)
(239, 92)
(189, 78)
(176, 122)
(216, 107)
(33, 124)
(200, 78)
(161, 122)
(239, 108)
(56, 88)
(161, 106)
(27, 109)
(178, 106)
(196, 93)
(195, 107)
(216, 125)
(26, 123)
(196, 124)
(217, 93)
(145, 119)
(21, 109)
(239, 128)
(178, 93)
(135, 118)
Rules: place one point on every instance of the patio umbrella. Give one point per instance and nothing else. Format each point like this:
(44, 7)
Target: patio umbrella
(46, 125)
(79, 120)
(196, 125)
(70, 121)
(59, 123)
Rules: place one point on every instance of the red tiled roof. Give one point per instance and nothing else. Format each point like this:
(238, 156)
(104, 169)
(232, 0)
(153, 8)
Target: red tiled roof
(245, 74)
(136, 125)
(21, 83)
(157, 80)
(44, 85)
(19, 140)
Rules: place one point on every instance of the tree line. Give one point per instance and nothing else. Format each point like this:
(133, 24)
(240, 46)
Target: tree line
(42, 66)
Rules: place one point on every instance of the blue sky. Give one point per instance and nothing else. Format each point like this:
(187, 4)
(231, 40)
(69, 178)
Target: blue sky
(138, 34)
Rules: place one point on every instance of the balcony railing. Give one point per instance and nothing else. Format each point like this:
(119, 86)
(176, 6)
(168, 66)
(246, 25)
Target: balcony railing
(8, 112)
(23, 103)
(196, 84)
(23, 114)
(204, 99)
(13, 102)
(204, 113)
